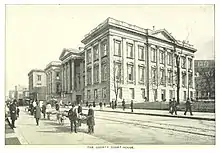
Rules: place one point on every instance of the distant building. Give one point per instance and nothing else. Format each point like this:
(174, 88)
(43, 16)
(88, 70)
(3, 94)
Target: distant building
(205, 79)
(72, 75)
(37, 84)
(53, 80)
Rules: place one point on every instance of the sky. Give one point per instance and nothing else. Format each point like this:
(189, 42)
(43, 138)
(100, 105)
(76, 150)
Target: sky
(36, 34)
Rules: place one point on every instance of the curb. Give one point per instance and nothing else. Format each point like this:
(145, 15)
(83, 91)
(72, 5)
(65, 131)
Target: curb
(163, 115)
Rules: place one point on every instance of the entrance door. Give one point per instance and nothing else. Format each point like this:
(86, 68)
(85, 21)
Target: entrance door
(78, 98)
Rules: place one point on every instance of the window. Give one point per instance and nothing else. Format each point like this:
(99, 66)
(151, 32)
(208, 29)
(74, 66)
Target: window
(38, 77)
(163, 95)
(117, 48)
(104, 93)
(183, 79)
(89, 76)
(88, 94)
(162, 57)
(184, 62)
(96, 74)
(130, 73)
(104, 48)
(175, 77)
(141, 74)
(117, 72)
(96, 94)
(96, 52)
(120, 93)
(169, 77)
(141, 53)
(175, 60)
(130, 50)
(171, 94)
(154, 75)
(83, 81)
(184, 95)
(57, 88)
(155, 94)
(169, 58)
(153, 55)
(132, 93)
(143, 93)
(190, 64)
(162, 76)
(190, 80)
(191, 94)
(104, 72)
(89, 57)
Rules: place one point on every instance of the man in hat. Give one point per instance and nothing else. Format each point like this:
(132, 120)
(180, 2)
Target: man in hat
(13, 113)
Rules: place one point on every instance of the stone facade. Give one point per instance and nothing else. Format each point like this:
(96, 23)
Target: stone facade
(37, 84)
(53, 80)
(128, 48)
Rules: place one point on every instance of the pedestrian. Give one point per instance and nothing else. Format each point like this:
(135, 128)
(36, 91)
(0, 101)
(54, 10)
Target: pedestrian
(174, 107)
(188, 107)
(37, 113)
(79, 113)
(100, 105)
(72, 114)
(123, 104)
(110, 104)
(7, 115)
(104, 104)
(48, 110)
(90, 120)
(93, 103)
(87, 104)
(18, 111)
(44, 110)
(57, 106)
(132, 105)
(113, 105)
(170, 106)
(13, 113)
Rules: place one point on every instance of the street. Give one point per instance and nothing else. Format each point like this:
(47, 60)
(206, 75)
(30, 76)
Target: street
(117, 128)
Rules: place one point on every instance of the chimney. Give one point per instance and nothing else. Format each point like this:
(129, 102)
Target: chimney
(153, 28)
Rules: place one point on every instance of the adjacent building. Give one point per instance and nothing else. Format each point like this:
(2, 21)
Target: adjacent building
(205, 79)
(72, 75)
(53, 81)
(37, 84)
(135, 64)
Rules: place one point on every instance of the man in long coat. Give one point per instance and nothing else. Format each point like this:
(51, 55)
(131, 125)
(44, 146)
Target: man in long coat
(13, 113)
(90, 120)
(123, 104)
(37, 113)
(132, 105)
(72, 114)
(188, 107)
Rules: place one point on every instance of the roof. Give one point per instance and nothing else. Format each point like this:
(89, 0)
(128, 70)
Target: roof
(68, 52)
(35, 70)
(53, 63)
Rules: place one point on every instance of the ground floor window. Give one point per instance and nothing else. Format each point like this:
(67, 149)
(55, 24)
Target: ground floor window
(155, 94)
(132, 93)
(184, 95)
(163, 95)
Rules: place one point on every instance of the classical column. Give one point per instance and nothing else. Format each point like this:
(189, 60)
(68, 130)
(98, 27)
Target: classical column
(100, 64)
(193, 74)
(85, 68)
(73, 75)
(187, 73)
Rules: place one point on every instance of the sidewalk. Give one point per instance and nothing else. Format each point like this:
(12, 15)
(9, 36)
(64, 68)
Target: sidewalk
(49, 132)
(10, 136)
(164, 113)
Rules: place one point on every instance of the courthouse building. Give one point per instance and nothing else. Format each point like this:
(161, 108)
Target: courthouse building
(53, 80)
(37, 84)
(72, 75)
(140, 63)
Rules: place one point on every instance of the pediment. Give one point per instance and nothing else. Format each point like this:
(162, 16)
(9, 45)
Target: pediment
(63, 54)
(164, 35)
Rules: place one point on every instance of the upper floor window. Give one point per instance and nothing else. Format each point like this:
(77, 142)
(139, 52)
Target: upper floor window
(154, 75)
(96, 52)
(183, 79)
(89, 76)
(141, 53)
(117, 48)
(169, 58)
(88, 94)
(130, 72)
(117, 71)
(190, 80)
(162, 57)
(141, 74)
(162, 76)
(169, 77)
(96, 74)
(104, 72)
(89, 56)
(38, 77)
(184, 62)
(58, 75)
(130, 50)
(190, 63)
(104, 48)
(153, 55)
(96, 94)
